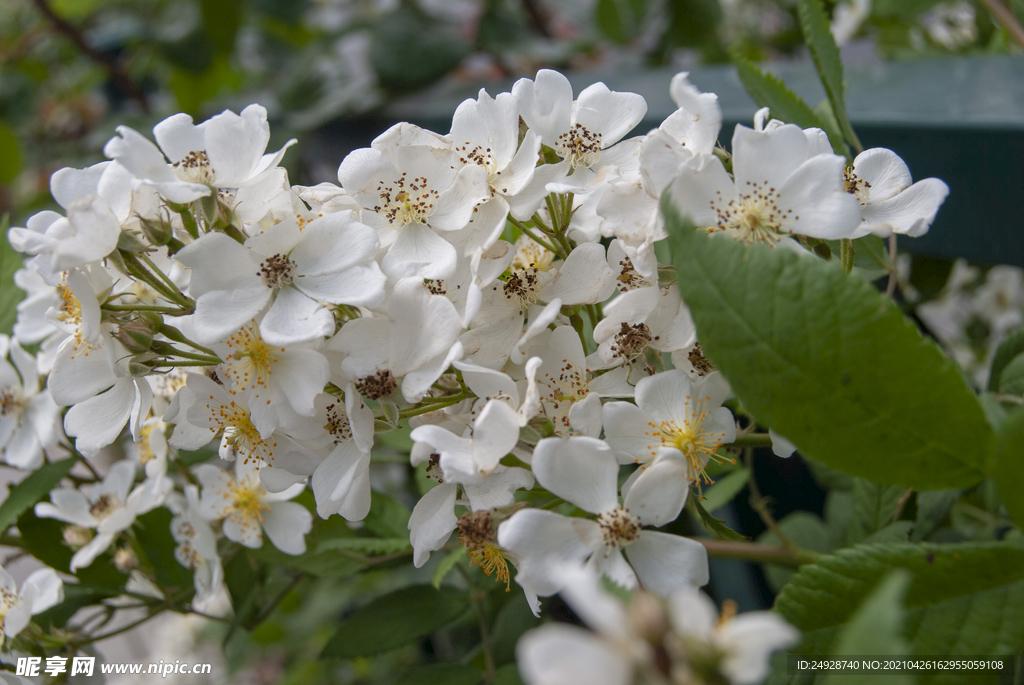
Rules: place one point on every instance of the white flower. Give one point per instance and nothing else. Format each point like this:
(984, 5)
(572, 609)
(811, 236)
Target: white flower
(226, 151)
(672, 414)
(890, 203)
(278, 383)
(581, 131)
(40, 591)
(197, 547)
(416, 343)
(29, 418)
(471, 457)
(106, 507)
(654, 318)
(247, 509)
(341, 483)
(784, 184)
(411, 184)
(584, 472)
(742, 644)
(294, 271)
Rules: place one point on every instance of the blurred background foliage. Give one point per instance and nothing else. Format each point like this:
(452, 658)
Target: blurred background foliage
(73, 69)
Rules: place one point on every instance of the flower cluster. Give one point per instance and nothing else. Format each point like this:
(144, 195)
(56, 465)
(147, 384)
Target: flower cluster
(497, 287)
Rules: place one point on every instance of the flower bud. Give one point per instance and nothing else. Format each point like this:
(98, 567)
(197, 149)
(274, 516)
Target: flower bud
(76, 536)
(157, 232)
(128, 242)
(125, 560)
(136, 336)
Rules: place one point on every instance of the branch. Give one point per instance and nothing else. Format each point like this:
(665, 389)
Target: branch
(539, 17)
(1005, 17)
(117, 74)
(748, 551)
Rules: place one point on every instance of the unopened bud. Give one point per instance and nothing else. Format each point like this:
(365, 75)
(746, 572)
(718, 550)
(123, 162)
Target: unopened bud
(648, 617)
(125, 560)
(157, 232)
(129, 242)
(136, 336)
(142, 364)
(76, 536)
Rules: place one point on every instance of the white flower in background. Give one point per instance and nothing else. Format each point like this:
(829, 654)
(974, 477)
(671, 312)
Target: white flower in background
(781, 447)
(226, 151)
(531, 297)
(485, 132)
(411, 185)
(29, 418)
(952, 24)
(738, 646)
(40, 591)
(108, 507)
(584, 472)
(294, 271)
(784, 185)
(890, 202)
(488, 384)
(278, 383)
(197, 547)
(248, 510)
(847, 19)
(470, 457)
(414, 344)
(672, 414)
(341, 483)
(570, 395)
(582, 132)
(97, 201)
(636, 320)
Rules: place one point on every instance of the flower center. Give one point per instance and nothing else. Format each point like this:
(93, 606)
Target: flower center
(406, 201)
(521, 288)
(755, 214)
(249, 365)
(145, 451)
(379, 385)
(435, 287)
(618, 527)
(558, 393)
(631, 341)
(856, 186)
(701, 364)
(195, 168)
(481, 157)
(277, 271)
(245, 501)
(579, 146)
(628, 278)
(479, 537)
(532, 255)
(12, 401)
(696, 444)
(104, 506)
(239, 433)
(338, 424)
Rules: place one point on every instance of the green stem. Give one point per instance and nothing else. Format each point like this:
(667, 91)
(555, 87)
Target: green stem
(477, 596)
(143, 274)
(750, 551)
(189, 221)
(751, 440)
(173, 311)
(846, 254)
(171, 285)
(537, 239)
(418, 410)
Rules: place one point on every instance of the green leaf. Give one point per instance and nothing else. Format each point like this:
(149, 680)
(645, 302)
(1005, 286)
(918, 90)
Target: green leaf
(932, 508)
(396, 619)
(1011, 346)
(154, 536)
(873, 508)
(1009, 475)
(222, 19)
(829, 362)
(965, 598)
(370, 546)
(825, 53)
(507, 675)
(710, 523)
(514, 619)
(445, 566)
(691, 22)
(11, 157)
(328, 564)
(620, 20)
(25, 494)
(10, 294)
(724, 489)
(894, 532)
(876, 629)
(1011, 378)
(409, 51)
(449, 674)
(388, 518)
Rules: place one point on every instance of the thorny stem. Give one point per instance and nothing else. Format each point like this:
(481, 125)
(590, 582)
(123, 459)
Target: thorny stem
(485, 632)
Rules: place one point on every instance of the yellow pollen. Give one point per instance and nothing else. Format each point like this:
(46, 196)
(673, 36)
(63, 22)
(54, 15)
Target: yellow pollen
(249, 364)
(145, 451)
(491, 560)
(239, 433)
(246, 502)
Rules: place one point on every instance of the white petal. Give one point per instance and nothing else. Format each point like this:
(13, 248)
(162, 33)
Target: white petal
(584, 278)
(286, 524)
(341, 484)
(664, 562)
(421, 253)
(884, 170)
(658, 494)
(817, 201)
(98, 421)
(432, 522)
(749, 640)
(580, 470)
(498, 489)
(585, 415)
(235, 144)
(768, 156)
(425, 326)
(545, 104)
(495, 433)
(609, 113)
(42, 589)
(334, 243)
(221, 313)
(361, 286)
(699, 182)
(294, 318)
(557, 654)
(912, 211)
(781, 447)
(543, 541)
